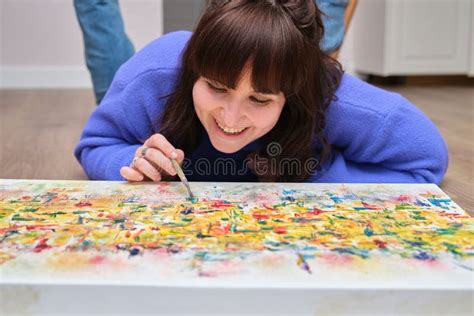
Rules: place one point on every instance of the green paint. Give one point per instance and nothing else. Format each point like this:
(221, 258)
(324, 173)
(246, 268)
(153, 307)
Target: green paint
(193, 199)
(247, 231)
(452, 248)
(53, 215)
(417, 215)
(403, 206)
(99, 219)
(17, 217)
(29, 209)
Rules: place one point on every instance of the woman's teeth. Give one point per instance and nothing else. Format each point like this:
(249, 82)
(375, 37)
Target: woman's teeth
(230, 130)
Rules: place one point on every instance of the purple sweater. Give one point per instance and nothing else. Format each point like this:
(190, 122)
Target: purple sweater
(376, 136)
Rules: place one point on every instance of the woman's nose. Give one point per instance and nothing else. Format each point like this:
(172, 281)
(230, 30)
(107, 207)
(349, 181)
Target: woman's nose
(232, 113)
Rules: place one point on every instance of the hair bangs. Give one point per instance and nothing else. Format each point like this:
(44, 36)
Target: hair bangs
(250, 38)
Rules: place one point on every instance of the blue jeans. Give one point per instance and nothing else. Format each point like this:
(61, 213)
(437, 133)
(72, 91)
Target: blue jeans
(333, 22)
(107, 46)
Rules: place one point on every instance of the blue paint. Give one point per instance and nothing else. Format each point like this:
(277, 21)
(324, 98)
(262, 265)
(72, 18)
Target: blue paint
(415, 243)
(134, 251)
(368, 232)
(187, 211)
(424, 256)
(440, 202)
(420, 203)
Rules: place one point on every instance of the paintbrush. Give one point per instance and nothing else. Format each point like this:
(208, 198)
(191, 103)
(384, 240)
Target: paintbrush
(181, 176)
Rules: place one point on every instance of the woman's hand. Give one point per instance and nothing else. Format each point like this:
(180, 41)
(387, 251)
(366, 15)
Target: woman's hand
(152, 160)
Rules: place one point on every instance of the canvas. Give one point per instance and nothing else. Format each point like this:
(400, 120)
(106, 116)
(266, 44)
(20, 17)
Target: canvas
(235, 236)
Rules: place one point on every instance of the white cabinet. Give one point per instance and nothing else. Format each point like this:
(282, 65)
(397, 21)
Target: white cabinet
(414, 37)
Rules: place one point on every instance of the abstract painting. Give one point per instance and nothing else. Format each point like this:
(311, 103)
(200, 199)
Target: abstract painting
(252, 234)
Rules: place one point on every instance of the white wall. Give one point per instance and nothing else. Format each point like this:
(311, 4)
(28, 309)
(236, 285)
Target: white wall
(41, 43)
(346, 53)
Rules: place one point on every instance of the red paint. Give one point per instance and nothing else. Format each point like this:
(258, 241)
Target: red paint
(39, 227)
(41, 245)
(370, 206)
(100, 215)
(260, 216)
(279, 229)
(83, 204)
(268, 207)
(452, 215)
(315, 211)
(219, 204)
(97, 259)
(127, 234)
(403, 198)
(380, 244)
(25, 198)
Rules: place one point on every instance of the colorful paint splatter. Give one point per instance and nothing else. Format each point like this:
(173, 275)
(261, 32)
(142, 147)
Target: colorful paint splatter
(292, 232)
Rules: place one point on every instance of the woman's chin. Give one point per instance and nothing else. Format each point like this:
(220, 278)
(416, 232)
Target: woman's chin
(225, 148)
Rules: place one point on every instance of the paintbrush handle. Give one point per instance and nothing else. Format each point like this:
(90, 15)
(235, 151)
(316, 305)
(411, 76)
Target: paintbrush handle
(182, 177)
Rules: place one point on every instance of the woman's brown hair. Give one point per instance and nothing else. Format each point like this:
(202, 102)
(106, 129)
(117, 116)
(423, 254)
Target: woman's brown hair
(280, 40)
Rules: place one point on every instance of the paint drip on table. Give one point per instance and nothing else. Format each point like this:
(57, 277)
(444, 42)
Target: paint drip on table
(293, 232)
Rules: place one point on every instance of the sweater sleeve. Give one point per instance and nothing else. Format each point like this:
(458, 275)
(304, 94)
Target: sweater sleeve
(124, 120)
(400, 145)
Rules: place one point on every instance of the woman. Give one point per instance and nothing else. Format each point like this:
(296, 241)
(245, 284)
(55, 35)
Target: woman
(250, 96)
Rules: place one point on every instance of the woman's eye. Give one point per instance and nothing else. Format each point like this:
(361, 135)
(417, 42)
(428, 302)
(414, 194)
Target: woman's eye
(216, 89)
(256, 100)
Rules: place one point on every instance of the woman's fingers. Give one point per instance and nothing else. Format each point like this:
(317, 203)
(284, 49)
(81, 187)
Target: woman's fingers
(160, 142)
(180, 157)
(131, 174)
(152, 159)
(157, 158)
(145, 167)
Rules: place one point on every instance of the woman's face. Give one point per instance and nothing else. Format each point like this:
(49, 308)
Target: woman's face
(234, 118)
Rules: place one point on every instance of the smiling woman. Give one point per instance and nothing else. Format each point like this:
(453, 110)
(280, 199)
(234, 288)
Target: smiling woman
(250, 96)
(243, 65)
(234, 118)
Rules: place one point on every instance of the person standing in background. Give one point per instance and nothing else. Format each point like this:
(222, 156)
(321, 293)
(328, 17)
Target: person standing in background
(107, 46)
(336, 19)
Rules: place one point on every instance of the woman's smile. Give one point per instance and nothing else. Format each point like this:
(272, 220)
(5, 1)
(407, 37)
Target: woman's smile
(230, 131)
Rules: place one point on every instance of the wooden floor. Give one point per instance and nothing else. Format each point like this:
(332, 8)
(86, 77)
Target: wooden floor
(39, 129)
